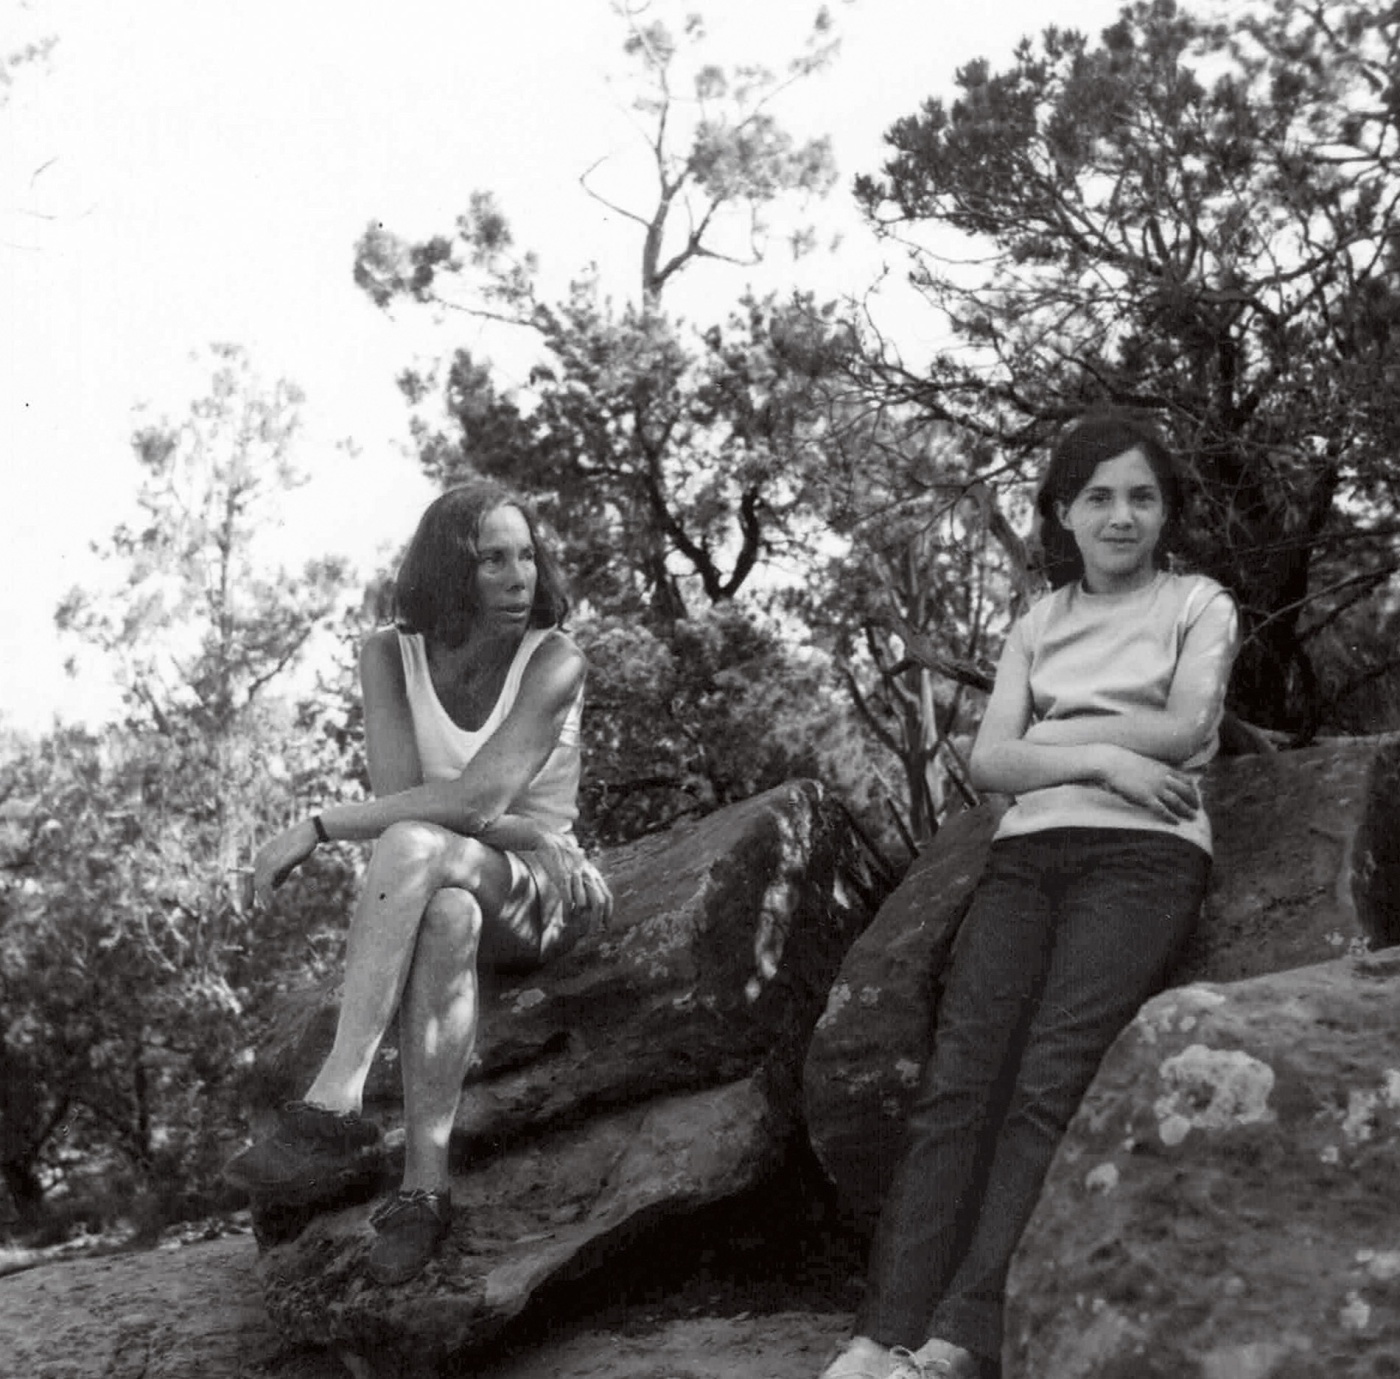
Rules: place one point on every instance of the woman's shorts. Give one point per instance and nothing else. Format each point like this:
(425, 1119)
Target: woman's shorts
(536, 922)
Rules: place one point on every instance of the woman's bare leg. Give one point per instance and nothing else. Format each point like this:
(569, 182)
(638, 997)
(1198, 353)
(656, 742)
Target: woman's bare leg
(437, 1031)
(410, 864)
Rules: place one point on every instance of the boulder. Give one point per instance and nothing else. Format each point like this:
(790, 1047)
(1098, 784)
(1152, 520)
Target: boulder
(654, 1068)
(1286, 826)
(871, 1041)
(1227, 1200)
(558, 1206)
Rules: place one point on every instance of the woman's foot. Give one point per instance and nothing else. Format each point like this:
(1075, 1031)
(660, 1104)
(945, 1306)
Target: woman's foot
(311, 1155)
(861, 1358)
(411, 1226)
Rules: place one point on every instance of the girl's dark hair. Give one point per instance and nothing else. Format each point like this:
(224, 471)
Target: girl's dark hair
(1100, 436)
(435, 592)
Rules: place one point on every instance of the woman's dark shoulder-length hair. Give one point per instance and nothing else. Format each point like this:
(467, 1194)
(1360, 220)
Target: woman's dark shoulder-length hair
(435, 591)
(1098, 436)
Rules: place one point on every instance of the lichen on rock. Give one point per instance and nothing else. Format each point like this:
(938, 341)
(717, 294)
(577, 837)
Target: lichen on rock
(1211, 1089)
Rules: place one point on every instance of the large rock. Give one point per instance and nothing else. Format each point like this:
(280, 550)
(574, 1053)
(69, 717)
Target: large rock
(1286, 827)
(653, 1069)
(1227, 1201)
(871, 1041)
(561, 1205)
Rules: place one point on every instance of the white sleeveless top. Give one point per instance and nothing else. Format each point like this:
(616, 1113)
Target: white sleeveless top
(444, 749)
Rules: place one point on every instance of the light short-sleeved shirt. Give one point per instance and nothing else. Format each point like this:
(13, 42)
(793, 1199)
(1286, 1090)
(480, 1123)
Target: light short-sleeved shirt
(1083, 653)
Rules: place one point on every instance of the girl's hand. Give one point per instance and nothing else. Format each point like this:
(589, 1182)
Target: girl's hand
(279, 857)
(1162, 789)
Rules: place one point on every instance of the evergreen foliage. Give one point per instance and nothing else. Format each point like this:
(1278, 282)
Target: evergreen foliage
(1197, 218)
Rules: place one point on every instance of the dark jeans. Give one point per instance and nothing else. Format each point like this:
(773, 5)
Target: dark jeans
(1070, 930)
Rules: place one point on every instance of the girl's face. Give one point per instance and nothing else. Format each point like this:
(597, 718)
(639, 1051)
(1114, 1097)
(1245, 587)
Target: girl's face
(505, 572)
(1116, 520)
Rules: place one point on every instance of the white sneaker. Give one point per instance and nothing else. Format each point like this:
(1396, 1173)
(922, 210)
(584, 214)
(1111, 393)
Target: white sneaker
(861, 1358)
(934, 1359)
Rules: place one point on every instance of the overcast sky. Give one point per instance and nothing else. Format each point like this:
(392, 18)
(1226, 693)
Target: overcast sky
(180, 173)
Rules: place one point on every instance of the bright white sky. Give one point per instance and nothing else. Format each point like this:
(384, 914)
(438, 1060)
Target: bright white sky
(185, 173)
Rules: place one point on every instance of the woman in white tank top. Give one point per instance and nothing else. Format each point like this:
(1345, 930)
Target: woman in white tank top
(472, 706)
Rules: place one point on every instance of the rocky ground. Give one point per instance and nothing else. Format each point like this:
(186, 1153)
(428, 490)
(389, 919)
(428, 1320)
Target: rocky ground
(760, 1287)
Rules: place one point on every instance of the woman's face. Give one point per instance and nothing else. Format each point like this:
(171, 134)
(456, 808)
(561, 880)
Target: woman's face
(1116, 520)
(505, 572)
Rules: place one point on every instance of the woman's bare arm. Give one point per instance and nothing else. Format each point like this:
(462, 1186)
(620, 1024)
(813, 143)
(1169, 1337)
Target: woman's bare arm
(476, 802)
(510, 758)
(391, 750)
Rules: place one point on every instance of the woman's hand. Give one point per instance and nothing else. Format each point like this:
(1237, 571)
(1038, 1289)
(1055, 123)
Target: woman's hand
(279, 857)
(1162, 789)
(588, 891)
(582, 883)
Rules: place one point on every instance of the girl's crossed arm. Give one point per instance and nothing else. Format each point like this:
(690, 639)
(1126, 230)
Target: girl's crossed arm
(1174, 733)
(1134, 754)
